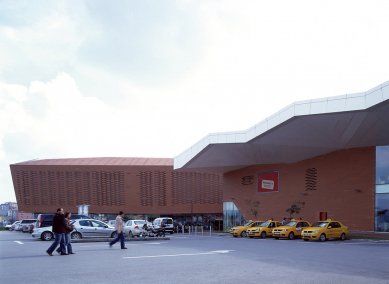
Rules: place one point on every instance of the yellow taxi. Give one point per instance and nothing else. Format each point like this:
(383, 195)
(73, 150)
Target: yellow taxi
(324, 230)
(241, 230)
(263, 230)
(290, 230)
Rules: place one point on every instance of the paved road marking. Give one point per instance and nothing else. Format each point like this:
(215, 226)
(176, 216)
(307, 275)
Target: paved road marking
(19, 242)
(182, 254)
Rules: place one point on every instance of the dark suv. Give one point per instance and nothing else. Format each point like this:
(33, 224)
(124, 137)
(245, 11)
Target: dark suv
(46, 220)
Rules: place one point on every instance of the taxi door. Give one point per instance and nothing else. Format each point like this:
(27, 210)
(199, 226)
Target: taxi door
(334, 230)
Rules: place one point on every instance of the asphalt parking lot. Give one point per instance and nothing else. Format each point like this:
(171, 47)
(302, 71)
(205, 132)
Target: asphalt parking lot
(196, 259)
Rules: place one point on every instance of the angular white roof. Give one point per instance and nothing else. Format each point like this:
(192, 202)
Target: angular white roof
(300, 131)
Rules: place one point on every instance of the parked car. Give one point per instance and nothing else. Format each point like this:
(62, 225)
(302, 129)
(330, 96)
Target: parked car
(84, 228)
(290, 230)
(12, 226)
(241, 231)
(90, 228)
(111, 223)
(44, 233)
(46, 220)
(134, 228)
(28, 228)
(324, 230)
(167, 223)
(264, 230)
(23, 223)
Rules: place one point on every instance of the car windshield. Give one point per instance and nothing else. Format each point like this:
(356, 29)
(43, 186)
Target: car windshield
(248, 223)
(291, 224)
(265, 224)
(320, 224)
(140, 222)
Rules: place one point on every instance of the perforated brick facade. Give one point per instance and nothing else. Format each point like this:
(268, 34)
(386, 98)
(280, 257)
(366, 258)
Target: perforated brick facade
(108, 185)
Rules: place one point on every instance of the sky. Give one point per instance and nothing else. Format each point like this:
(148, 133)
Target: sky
(96, 78)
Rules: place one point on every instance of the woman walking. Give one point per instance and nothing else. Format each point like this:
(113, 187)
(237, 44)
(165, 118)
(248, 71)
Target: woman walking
(66, 245)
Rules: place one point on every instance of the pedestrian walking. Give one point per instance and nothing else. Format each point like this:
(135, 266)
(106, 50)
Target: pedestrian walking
(66, 245)
(119, 224)
(58, 230)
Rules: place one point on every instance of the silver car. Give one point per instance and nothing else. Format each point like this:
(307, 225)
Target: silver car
(24, 224)
(90, 228)
(134, 227)
(43, 233)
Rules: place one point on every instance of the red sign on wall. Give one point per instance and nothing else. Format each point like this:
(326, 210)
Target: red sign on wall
(268, 182)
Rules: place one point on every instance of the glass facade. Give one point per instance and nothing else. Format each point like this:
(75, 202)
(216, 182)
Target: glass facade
(231, 216)
(382, 189)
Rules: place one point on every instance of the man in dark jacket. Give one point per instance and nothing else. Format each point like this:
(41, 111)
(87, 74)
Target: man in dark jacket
(59, 226)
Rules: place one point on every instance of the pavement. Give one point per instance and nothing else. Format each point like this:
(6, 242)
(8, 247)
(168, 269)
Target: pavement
(88, 240)
(201, 258)
(353, 235)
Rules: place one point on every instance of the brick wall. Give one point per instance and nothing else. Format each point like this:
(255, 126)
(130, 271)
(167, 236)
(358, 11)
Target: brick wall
(109, 189)
(341, 183)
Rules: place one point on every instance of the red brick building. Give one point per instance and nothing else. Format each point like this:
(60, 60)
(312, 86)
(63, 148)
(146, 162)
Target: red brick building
(147, 186)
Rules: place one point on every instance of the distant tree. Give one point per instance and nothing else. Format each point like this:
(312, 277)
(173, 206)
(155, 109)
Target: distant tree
(295, 208)
(254, 207)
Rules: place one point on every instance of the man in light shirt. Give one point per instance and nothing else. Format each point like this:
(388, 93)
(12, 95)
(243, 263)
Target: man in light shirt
(120, 233)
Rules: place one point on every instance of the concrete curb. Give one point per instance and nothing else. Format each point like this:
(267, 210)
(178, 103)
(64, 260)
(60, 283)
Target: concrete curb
(369, 235)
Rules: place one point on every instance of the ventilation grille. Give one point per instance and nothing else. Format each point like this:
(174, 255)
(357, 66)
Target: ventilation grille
(63, 188)
(196, 188)
(311, 179)
(67, 187)
(153, 188)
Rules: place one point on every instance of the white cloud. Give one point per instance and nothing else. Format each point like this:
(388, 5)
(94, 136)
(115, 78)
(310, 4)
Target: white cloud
(99, 79)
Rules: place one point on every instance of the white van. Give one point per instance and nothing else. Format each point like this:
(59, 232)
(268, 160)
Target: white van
(167, 222)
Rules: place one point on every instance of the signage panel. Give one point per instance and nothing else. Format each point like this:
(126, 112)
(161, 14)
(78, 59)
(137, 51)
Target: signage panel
(268, 182)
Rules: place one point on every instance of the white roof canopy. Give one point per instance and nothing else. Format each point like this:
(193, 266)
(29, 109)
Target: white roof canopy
(300, 131)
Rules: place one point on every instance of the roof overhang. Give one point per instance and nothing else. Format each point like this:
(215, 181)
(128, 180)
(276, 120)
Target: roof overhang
(300, 131)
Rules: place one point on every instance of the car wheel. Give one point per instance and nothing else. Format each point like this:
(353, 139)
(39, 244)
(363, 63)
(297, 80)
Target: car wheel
(277, 238)
(76, 236)
(234, 236)
(343, 237)
(263, 235)
(243, 234)
(291, 236)
(322, 238)
(306, 240)
(47, 236)
(130, 234)
(114, 235)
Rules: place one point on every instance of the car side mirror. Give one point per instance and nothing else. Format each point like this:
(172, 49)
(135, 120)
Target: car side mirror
(329, 227)
(106, 226)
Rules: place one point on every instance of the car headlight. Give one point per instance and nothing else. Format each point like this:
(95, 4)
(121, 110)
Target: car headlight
(284, 230)
(257, 230)
(315, 232)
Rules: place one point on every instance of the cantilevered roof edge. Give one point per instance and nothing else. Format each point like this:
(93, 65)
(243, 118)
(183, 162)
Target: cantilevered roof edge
(344, 103)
